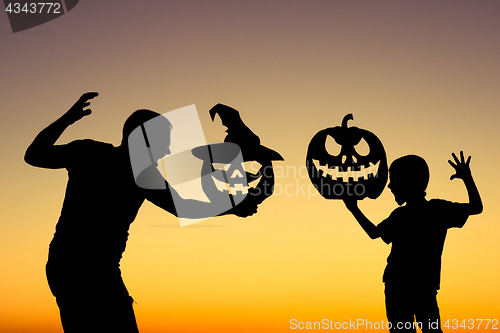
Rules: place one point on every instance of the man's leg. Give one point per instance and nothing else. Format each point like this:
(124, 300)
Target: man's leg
(84, 314)
(76, 314)
(92, 301)
(111, 304)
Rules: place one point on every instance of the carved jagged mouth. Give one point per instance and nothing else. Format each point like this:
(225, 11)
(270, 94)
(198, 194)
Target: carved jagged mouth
(221, 186)
(364, 172)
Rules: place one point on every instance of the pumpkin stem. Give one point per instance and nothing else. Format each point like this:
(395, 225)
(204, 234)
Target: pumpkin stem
(346, 119)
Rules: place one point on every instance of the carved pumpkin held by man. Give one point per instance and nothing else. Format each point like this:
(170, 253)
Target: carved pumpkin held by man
(240, 166)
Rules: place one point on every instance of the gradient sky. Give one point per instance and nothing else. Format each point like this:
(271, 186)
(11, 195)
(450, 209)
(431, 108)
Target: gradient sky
(424, 76)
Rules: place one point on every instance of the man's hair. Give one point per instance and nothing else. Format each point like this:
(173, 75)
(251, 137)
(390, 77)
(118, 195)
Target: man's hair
(138, 118)
(413, 170)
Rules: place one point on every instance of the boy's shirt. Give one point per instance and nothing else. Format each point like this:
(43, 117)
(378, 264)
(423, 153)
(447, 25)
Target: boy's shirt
(417, 235)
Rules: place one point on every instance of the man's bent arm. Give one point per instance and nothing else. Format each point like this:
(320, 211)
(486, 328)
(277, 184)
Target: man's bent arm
(187, 208)
(43, 152)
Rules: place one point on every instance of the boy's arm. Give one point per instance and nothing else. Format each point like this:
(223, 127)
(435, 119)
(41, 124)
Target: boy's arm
(462, 171)
(364, 222)
(42, 152)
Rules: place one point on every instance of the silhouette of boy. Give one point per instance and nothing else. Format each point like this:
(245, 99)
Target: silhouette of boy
(417, 232)
(101, 201)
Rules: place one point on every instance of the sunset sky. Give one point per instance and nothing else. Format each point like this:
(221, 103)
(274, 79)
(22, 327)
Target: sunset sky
(424, 76)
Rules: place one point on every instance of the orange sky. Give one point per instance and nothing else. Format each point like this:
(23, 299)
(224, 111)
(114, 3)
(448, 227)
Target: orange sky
(422, 75)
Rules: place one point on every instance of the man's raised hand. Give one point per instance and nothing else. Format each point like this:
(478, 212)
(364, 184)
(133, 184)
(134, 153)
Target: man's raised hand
(78, 111)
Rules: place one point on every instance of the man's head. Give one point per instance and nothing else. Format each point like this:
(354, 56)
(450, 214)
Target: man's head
(409, 176)
(156, 132)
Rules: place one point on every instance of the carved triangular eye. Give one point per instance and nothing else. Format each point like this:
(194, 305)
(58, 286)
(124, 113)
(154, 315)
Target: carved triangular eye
(332, 147)
(252, 167)
(362, 148)
(221, 166)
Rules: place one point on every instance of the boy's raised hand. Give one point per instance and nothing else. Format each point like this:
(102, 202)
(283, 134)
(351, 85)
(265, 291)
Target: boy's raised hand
(77, 111)
(462, 168)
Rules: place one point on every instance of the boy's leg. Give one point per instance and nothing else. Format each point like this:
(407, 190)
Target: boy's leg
(398, 306)
(427, 311)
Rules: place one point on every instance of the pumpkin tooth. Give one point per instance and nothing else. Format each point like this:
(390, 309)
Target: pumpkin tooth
(323, 168)
(345, 175)
(374, 169)
(254, 183)
(333, 172)
(221, 186)
(360, 174)
(355, 175)
(238, 188)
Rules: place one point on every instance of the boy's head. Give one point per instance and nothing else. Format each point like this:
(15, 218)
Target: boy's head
(409, 176)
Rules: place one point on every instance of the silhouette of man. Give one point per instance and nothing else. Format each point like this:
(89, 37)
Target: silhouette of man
(101, 201)
(417, 232)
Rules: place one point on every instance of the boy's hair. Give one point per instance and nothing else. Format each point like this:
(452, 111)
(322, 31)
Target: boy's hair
(414, 170)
